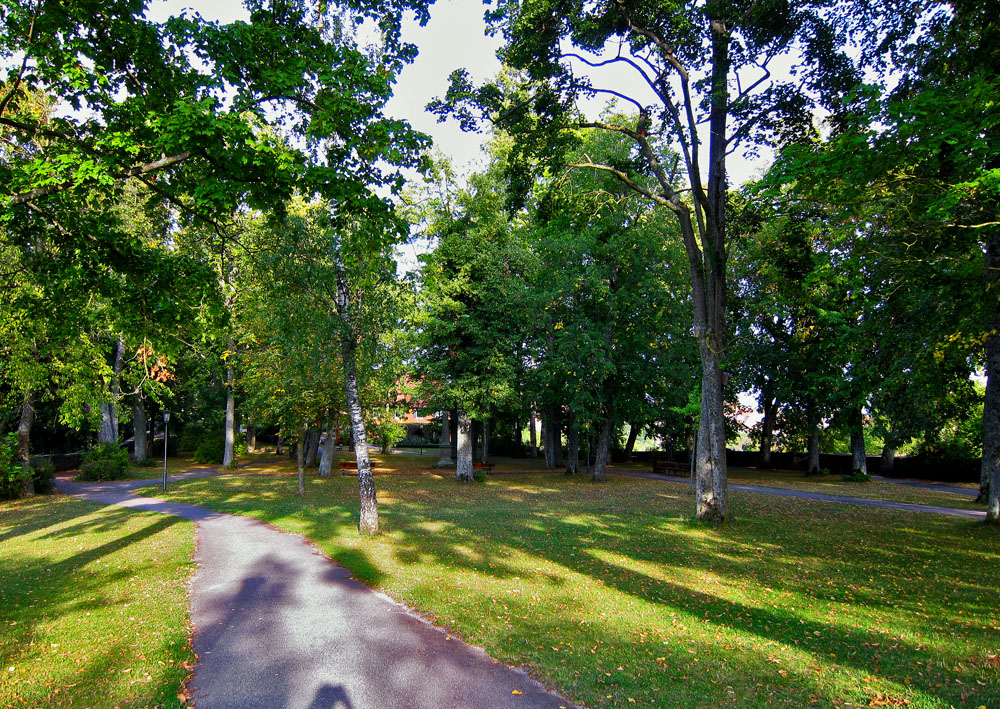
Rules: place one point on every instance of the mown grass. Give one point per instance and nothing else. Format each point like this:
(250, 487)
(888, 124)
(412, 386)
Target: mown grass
(614, 596)
(93, 605)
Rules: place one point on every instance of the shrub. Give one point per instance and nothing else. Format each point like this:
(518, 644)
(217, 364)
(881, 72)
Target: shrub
(11, 470)
(43, 475)
(857, 475)
(210, 450)
(105, 461)
(479, 475)
(241, 447)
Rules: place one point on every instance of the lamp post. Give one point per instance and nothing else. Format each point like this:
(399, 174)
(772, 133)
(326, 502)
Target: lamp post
(166, 421)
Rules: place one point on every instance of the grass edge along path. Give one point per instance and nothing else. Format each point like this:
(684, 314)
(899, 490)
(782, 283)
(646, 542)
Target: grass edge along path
(94, 605)
(611, 594)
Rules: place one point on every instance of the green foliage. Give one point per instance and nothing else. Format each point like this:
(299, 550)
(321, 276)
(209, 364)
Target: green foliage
(210, 449)
(11, 469)
(857, 475)
(43, 475)
(105, 461)
(479, 475)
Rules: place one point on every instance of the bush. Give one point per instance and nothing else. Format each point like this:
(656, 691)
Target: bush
(11, 470)
(857, 475)
(43, 475)
(210, 450)
(105, 461)
(241, 447)
(479, 475)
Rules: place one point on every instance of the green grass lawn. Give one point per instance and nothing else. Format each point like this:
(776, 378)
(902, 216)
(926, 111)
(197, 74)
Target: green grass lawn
(614, 596)
(93, 605)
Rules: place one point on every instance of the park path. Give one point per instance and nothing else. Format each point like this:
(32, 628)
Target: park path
(806, 495)
(278, 624)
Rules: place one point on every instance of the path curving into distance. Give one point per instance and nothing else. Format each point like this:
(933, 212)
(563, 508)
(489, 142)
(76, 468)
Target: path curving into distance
(278, 624)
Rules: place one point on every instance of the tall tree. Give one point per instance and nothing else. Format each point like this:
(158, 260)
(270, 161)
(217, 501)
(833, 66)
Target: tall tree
(688, 57)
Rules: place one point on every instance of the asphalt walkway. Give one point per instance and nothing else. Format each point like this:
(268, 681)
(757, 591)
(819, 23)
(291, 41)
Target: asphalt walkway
(278, 624)
(805, 495)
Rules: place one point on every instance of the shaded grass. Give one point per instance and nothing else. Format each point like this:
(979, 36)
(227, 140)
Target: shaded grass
(93, 605)
(614, 596)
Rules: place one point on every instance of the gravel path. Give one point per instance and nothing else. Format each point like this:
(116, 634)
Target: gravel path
(802, 494)
(278, 624)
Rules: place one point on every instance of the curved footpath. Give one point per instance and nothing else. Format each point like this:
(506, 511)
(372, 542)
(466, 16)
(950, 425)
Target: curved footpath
(802, 494)
(278, 624)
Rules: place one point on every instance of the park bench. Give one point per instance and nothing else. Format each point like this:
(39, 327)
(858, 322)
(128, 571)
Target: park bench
(669, 467)
(347, 465)
(488, 467)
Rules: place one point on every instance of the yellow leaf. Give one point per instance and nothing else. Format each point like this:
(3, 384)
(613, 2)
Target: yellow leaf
(514, 691)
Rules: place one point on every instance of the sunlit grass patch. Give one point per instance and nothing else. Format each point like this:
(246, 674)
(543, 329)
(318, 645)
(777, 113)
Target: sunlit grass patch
(612, 593)
(93, 605)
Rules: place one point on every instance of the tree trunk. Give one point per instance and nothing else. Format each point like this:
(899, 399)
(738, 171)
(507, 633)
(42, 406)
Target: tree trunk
(711, 474)
(140, 449)
(486, 441)
(300, 461)
(532, 435)
(229, 450)
(859, 458)
(633, 433)
(991, 403)
(546, 446)
(445, 461)
(600, 473)
(463, 466)
(251, 439)
(277, 447)
(813, 466)
(108, 432)
(312, 445)
(24, 442)
(767, 429)
(573, 462)
(887, 460)
(368, 519)
(326, 460)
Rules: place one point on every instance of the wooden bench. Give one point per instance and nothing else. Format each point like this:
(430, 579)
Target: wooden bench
(347, 465)
(488, 467)
(668, 467)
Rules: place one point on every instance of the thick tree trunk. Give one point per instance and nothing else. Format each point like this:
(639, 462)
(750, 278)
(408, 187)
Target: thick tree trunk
(546, 448)
(532, 435)
(600, 473)
(251, 439)
(312, 446)
(108, 432)
(887, 461)
(711, 474)
(813, 465)
(445, 461)
(277, 447)
(326, 460)
(24, 442)
(300, 460)
(463, 464)
(229, 449)
(633, 433)
(573, 461)
(767, 429)
(486, 442)
(140, 449)
(859, 458)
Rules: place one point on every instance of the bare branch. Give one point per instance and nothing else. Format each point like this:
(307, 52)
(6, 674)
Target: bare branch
(627, 181)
